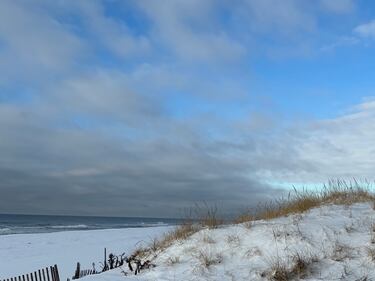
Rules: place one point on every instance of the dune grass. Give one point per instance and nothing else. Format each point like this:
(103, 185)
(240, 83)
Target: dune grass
(299, 201)
(339, 192)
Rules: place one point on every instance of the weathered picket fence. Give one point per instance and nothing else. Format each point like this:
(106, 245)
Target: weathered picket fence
(45, 274)
(134, 264)
(82, 273)
(86, 272)
(112, 263)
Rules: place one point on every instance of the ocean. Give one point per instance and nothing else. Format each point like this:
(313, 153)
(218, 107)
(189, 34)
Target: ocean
(17, 224)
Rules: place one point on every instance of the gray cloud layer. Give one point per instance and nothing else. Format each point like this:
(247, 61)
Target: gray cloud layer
(88, 138)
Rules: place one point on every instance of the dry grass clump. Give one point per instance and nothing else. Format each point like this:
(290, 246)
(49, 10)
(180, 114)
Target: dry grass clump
(371, 253)
(208, 239)
(372, 233)
(233, 239)
(205, 217)
(208, 216)
(255, 251)
(341, 252)
(299, 268)
(350, 228)
(338, 192)
(279, 272)
(302, 264)
(181, 232)
(173, 260)
(207, 259)
(372, 238)
(243, 218)
(141, 252)
(246, 219)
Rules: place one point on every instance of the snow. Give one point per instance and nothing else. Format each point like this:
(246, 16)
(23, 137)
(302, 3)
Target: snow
(336, 239)
(25, 253)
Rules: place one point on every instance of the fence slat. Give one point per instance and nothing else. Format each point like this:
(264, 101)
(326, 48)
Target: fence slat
(57, 273)
(44, 275)
(47, 274)
(52, 273)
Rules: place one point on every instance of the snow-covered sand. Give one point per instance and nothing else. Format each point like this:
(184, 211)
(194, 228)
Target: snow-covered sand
(24, 253)
(336, 239)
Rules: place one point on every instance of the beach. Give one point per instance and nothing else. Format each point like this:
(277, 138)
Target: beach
(25, 253)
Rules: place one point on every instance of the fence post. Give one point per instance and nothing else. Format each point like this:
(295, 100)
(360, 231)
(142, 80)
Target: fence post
(78, 271)
(105, 259)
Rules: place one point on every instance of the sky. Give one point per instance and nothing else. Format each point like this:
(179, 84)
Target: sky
(145, 108)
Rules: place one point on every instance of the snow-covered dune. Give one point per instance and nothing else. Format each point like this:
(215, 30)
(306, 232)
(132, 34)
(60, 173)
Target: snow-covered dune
(333, 243)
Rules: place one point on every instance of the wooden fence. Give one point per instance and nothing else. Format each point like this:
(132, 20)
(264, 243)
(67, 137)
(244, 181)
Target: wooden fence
(83, 273)
(46, 274)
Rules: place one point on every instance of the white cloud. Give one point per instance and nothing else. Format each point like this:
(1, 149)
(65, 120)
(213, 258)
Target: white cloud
(191, 30)
(366, 30)
(109, 32)
(104, 95)
(341, 42)
(341, 147)
(33, 43)
(338, 6)
(285, 17)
